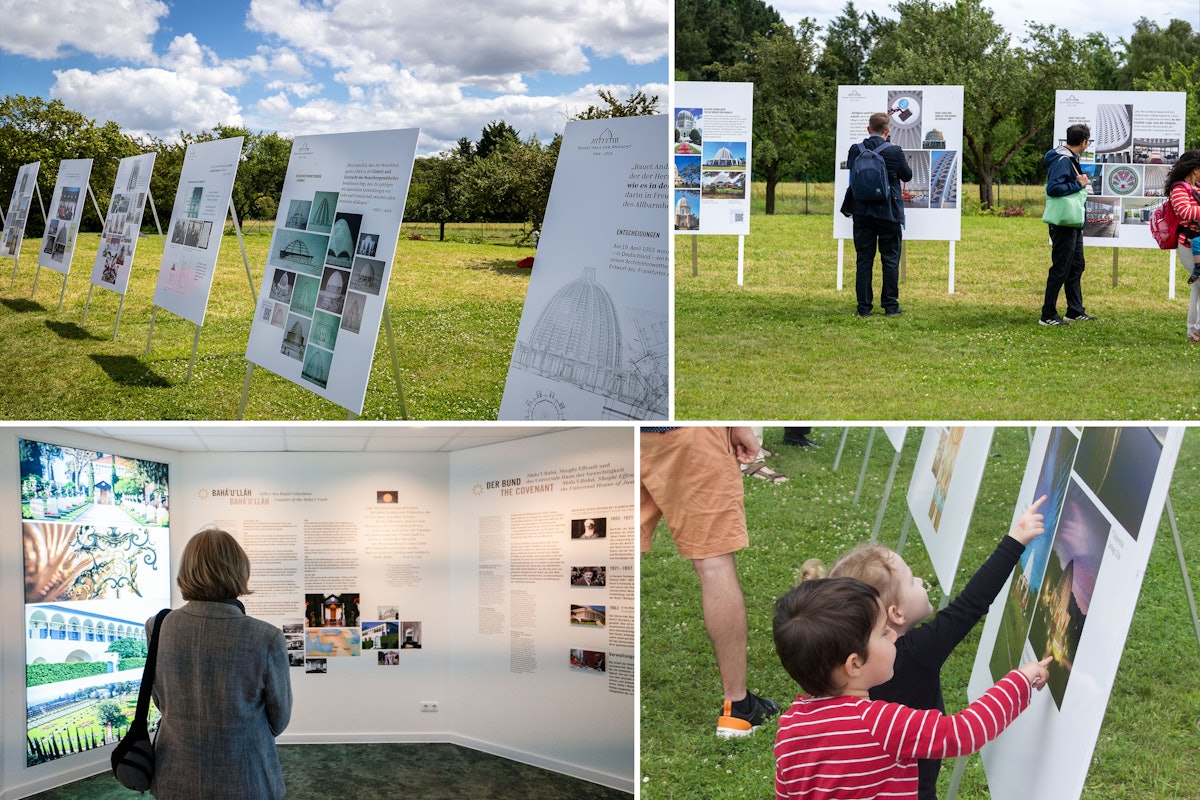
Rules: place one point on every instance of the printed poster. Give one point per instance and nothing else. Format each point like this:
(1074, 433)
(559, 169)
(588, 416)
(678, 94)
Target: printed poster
(710, 157)
(18, 210)
(66, 208)
(1072, 597)
(95, 535)
(1136, 138)
(197, 224)
(927, 123)
(593, 342)
(944, 487)
(122, 223)
(325, 285)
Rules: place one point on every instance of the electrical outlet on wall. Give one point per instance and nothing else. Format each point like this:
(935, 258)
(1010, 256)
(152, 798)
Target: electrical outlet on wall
(429, 705)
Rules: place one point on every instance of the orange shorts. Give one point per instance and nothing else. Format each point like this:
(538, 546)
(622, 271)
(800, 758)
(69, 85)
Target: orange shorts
(691, 476)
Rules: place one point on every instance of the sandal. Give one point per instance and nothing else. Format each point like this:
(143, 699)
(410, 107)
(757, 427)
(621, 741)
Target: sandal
(760, 470)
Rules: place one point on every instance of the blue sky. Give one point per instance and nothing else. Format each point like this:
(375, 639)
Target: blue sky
(321, 66)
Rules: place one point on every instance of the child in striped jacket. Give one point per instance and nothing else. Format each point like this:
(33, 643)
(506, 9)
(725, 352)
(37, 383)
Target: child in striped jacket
(833, 637)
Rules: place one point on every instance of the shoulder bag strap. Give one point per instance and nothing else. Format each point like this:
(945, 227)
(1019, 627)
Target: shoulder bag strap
(143, 704)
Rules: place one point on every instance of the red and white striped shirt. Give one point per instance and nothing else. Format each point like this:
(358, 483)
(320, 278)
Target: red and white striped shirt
(852, 748)
(1187, 210)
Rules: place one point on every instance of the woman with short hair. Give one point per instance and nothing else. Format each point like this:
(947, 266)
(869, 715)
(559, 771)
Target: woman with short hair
(222, 683)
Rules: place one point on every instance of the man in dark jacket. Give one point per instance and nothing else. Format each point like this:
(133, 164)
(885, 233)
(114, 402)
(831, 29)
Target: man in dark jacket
(1064, 177)
(878, 224)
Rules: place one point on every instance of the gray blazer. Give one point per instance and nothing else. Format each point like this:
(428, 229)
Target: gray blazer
(224, 692)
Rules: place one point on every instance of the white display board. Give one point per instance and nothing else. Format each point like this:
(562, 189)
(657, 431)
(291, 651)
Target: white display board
(942, 493)
(549, 609)
(594, 339)
(66, 209)
(197, 227)
(895, 435)
(710, 157)
(1136, 138)
(323, 292)
(927, 122)
(122, 223)
(1072, 597)
(18, 210)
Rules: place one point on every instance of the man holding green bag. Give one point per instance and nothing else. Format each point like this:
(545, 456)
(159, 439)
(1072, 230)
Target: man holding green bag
(1066, 199)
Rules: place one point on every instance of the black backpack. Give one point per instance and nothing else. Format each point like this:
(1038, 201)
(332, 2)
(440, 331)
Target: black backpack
(869, 175)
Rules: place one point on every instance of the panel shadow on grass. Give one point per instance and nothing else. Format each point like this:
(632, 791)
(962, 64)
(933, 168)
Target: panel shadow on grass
(22, 305)
(503, 266)
(130, 371)
(69, 330)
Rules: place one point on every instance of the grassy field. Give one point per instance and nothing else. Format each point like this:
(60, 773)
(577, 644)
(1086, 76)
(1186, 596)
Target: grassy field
(787, 345)
(1151, 732)
(455, 307)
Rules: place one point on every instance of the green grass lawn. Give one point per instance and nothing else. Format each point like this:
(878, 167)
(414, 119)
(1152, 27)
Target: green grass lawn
(1150, 736)
(787, 345)
(455, 307)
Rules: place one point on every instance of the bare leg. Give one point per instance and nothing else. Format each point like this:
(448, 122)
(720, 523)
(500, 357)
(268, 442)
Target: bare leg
(724, 610)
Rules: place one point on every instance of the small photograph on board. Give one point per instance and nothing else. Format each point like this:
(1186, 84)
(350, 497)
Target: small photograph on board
(588, 660)
(589, 576)
(1067, 587)
(410, 635)
(589, 528)
(588, 616)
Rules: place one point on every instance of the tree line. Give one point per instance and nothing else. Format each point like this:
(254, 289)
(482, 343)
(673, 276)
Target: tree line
(1008, 89)
(500, 177)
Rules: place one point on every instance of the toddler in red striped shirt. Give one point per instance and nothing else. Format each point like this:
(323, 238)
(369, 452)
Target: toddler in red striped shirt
(835, 743)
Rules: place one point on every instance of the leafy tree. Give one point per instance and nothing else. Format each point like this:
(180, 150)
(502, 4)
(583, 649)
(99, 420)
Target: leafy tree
(710, 34)
(128, 648)
(109, 712)
(436, 194)
(849, 40)
(511, 183)
(494, 136)
(1151, 48)
(637, 105)
(34, 129)
(1008, 92)
(793, 105)
(261, 173)
(1178, 77)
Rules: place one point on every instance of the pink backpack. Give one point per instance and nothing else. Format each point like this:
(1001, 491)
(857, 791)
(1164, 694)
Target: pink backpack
(1164, 226)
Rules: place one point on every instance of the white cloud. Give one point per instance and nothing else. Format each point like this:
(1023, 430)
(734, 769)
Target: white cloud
(46, 29)
(483, 44)
(157, 101)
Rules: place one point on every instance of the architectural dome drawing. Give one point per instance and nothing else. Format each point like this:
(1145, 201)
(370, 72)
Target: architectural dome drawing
(577, 336)
(296, 250)
(341, 241)
(324, 214)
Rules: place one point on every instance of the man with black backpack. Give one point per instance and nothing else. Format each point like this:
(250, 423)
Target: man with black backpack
(875, 200)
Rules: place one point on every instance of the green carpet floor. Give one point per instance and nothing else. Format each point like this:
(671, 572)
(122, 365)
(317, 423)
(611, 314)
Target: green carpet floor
(377, 771)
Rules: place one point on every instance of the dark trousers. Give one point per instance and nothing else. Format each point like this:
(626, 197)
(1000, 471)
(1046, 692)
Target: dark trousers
(1066, 269)
(871, 233)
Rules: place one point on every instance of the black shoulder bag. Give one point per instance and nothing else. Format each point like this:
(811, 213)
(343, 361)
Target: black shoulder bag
(133, 759)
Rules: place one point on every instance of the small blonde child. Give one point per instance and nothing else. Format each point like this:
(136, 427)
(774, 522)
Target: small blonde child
(924, 642)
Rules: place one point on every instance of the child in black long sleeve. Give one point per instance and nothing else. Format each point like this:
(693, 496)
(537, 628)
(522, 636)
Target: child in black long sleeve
(925, 642)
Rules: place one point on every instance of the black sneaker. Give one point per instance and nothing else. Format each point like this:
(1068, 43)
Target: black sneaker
(893, 313)
(734, 723)
(1054, 321)
(1195, 276)
(1080, 318)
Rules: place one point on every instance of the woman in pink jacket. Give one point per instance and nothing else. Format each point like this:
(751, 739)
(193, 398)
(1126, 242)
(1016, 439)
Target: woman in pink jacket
(1183, 191)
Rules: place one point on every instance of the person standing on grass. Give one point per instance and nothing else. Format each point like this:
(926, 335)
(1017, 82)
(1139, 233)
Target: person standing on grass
(690, 476)
(1065, 177)
(1183, 193)
(878, 220)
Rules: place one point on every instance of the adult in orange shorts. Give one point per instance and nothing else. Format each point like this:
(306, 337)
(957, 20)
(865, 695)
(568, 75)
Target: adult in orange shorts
(691, 476)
